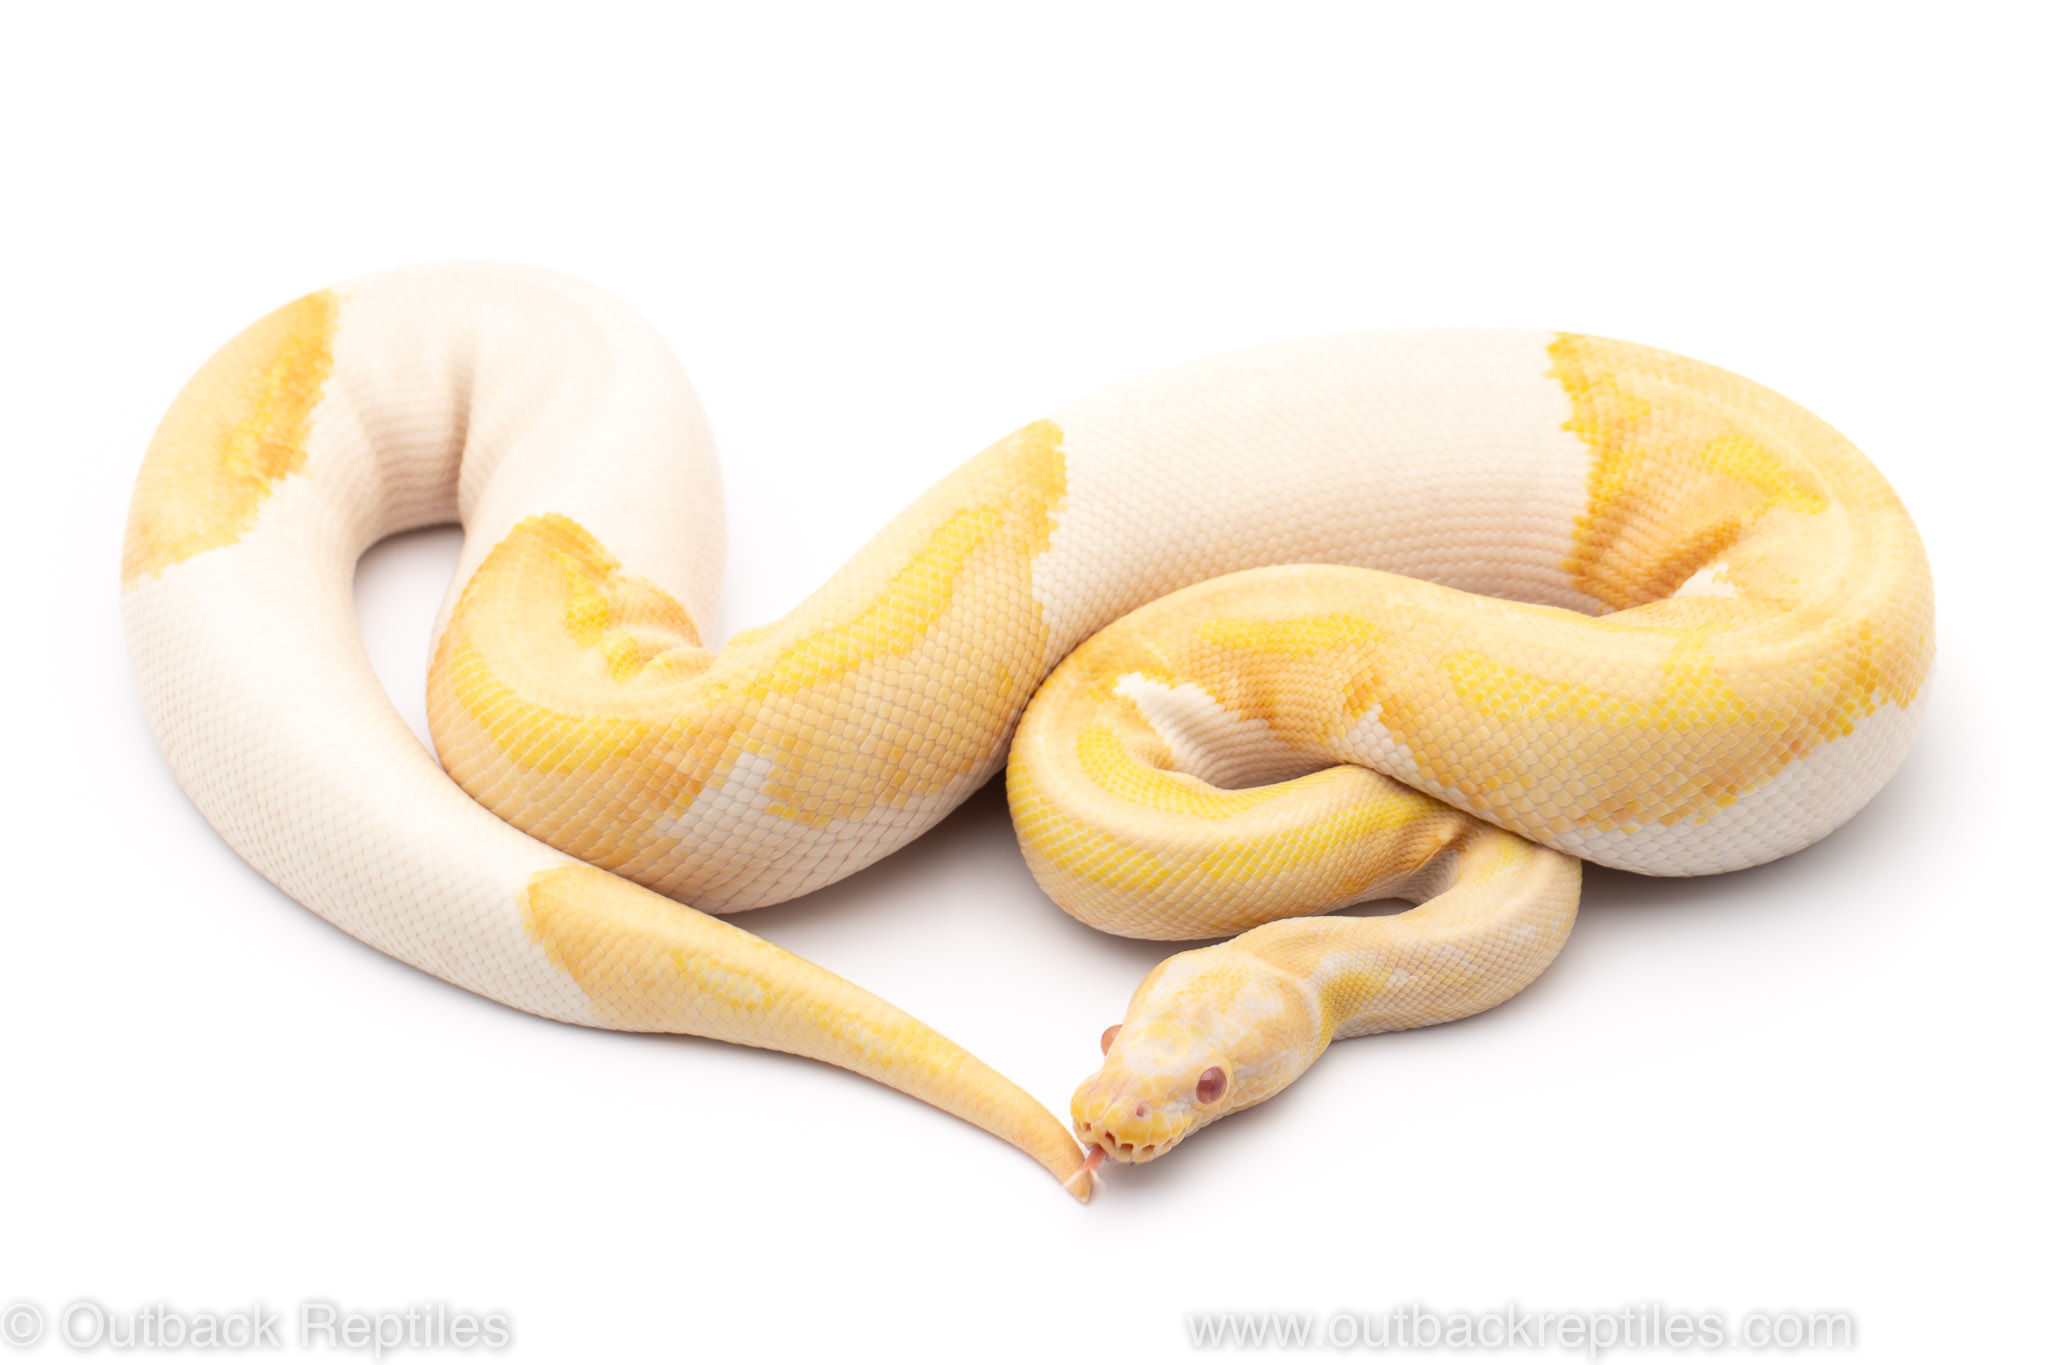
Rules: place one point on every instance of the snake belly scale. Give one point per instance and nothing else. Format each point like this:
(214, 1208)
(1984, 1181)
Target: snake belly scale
(1427, 615)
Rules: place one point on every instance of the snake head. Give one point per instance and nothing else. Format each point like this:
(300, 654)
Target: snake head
(1208, 1033)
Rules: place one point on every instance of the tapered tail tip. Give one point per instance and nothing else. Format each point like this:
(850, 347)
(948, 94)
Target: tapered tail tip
(1081, 1183)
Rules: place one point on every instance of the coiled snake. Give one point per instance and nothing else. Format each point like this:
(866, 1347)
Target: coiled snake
(1425, 615)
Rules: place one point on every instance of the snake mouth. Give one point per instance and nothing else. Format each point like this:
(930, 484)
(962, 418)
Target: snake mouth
(1139, 1143)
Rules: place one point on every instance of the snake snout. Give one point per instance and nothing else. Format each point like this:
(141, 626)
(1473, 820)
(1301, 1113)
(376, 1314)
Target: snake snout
(1127, 1127)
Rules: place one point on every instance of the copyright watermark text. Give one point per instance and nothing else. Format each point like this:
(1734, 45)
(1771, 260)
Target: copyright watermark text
(88, 1325)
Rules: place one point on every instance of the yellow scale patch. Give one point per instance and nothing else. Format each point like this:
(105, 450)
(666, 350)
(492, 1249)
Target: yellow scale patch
(1694, 695)
(1684, 475)
(237, 430)
(635, 958)
(1671, 485)
(895, 621)
(1344, 831)
(1292, 636)
(569, 697)
(537, 737)
(612, 619)
(649, 965)
(1311, 842)
(1331, 825)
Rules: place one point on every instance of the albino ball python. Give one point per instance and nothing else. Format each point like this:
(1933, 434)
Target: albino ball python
(1428, 615)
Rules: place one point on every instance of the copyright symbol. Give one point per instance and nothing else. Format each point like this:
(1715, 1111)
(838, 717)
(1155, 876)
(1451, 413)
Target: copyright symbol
(22, 1325)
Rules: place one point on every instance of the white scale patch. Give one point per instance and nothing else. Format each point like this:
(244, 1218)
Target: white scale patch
(1370, 744)
(1211, 742)
(1810, 799)
(1439, 455)
(247, 657)
(1711, 581)
(301, 762)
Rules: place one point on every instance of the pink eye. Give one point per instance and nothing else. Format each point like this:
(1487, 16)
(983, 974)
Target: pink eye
(1109, 1036)
(1210, 1088)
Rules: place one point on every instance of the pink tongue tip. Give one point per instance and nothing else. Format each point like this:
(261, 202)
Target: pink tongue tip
(1095, 1155)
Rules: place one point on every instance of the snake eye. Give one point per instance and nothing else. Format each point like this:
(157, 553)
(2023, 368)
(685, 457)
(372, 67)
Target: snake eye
(1109, 1036)
(1210, 1088)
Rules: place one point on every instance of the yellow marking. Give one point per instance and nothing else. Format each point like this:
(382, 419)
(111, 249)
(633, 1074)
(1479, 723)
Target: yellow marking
(650, 965)
(1335, 840)
(236, 431)
(532, 736)
(892, 624)
(1341, 835)
(623, 657)
(586, 613)
(562, 683)
(1736, 456)
(1676, 478)
(955, 628)
(1076, 845)
(1694, 695)
(550, 567)
(1293, 636)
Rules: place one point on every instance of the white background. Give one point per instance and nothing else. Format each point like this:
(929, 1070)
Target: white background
(880, 238)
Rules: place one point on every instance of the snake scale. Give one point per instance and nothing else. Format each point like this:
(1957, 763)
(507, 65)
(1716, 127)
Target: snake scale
(1425, 615)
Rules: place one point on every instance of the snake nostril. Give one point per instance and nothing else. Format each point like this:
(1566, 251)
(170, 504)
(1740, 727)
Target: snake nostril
(1142, 1111)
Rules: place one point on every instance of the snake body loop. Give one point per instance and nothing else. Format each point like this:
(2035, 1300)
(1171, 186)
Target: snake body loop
(1429, 615)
